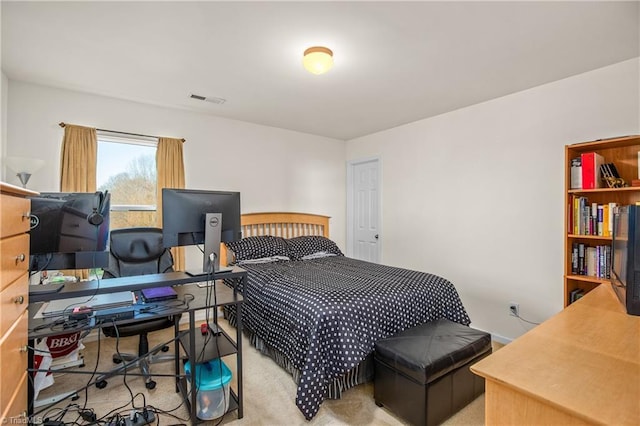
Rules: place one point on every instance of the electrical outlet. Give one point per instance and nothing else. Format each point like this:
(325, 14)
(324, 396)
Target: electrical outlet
(514, 309)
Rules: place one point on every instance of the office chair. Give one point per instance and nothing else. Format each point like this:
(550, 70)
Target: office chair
(138, 251)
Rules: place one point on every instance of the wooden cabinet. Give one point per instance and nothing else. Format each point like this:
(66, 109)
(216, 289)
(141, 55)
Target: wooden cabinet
(623, 153)
(14, 299)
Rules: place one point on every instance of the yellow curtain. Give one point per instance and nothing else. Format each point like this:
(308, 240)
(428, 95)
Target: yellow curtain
(170, 171)
(78, 161)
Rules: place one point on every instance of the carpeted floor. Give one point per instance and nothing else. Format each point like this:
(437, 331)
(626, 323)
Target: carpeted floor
(269, 393)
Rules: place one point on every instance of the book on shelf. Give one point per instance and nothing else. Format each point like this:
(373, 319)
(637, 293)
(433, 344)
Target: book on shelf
(586, 218)
(591, 174)
(591, 261)
(576, 173)
(612, 211)
(573, 295)
(581, 260)
(600, 219)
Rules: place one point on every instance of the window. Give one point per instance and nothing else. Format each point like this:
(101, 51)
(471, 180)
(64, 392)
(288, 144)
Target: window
(127, 169)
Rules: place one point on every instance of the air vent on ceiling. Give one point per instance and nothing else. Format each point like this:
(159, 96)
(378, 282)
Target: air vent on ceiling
(213, 100)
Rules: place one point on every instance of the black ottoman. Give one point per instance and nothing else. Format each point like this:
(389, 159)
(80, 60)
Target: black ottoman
(422, 374)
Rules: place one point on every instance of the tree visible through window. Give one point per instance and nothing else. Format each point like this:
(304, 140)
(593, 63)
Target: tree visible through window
(127, 169)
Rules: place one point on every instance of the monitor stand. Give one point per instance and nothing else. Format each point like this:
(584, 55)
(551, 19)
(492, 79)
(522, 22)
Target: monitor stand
(212, 240)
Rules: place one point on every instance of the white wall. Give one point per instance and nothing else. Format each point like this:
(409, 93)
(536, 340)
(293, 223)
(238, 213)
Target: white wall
(483, 189)
(4, 97)
(275, 169)
(483, 185)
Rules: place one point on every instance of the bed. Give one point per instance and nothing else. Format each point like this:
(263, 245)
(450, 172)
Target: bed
(318, 313)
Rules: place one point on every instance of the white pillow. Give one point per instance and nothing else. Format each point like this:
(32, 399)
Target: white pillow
(318, 255)
(263, 260)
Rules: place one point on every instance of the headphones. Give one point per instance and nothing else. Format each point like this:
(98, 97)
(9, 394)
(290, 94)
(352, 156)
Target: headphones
(95, 217)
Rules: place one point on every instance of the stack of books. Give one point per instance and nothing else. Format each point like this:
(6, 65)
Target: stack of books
(575, 294)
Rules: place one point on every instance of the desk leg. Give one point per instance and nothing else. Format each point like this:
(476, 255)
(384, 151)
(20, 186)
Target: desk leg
(176, 334)
(239, 356)
(192, 361)
(243, 282)
(30, 390)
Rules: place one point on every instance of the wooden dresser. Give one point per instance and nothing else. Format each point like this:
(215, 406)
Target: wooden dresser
(14, 299)
(580, 367)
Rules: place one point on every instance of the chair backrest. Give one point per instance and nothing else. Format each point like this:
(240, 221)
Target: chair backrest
(137, 251)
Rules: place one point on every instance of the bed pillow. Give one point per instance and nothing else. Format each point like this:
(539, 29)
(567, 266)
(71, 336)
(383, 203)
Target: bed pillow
(302, 247)
(258, 247)
(270, 259)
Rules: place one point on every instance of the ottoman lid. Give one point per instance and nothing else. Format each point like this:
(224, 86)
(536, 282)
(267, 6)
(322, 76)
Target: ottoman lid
(431, 350)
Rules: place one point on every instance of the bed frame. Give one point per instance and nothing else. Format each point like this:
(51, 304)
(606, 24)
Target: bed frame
(286, 225)
(279, 224)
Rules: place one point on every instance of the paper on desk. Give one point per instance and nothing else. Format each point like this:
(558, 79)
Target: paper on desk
(59, 307)
(38, 315)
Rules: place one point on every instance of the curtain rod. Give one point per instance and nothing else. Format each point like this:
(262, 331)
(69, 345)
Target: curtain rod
(62, 124)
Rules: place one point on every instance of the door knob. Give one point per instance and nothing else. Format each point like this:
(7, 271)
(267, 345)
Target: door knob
(376, 236)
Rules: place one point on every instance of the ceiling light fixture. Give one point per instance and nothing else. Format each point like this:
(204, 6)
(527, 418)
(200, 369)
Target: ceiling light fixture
(317, 59)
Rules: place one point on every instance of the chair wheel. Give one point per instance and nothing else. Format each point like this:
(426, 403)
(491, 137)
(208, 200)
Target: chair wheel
(150, 384)
(116, 359)
(165, 349)
(75, 397)
(101, 384)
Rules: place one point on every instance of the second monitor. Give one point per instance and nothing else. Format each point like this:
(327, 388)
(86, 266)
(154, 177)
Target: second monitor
(192, 217)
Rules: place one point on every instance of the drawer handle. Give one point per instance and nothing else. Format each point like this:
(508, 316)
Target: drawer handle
(24, 348)
(26, 215)
(20, 258)
(19, 300)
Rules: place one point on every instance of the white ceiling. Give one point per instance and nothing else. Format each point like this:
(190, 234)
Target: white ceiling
(395, 62)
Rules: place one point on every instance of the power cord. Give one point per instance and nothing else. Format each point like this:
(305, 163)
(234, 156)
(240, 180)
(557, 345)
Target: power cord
(517, 315)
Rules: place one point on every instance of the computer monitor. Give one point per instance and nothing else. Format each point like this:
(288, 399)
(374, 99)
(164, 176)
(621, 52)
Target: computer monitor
(625, 257)
(193, 216)
(69, 230)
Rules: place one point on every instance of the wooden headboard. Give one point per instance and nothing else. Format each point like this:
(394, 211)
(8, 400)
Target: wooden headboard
(278, 224)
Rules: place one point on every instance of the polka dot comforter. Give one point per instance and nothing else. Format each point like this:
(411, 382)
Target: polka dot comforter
(326, 314)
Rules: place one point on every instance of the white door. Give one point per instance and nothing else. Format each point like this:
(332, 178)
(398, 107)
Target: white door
(363, 210)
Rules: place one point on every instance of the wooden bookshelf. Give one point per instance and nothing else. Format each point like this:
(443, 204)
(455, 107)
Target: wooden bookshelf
(623, 153)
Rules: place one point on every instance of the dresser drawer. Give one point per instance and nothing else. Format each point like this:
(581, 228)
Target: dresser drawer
(13, 359)
(13, 302)
(15, 215)
(17, 408)
(14, 259)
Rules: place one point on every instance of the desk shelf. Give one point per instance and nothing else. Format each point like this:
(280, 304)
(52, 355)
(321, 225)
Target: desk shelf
(188, 345)
(208, 349)
(199, 348)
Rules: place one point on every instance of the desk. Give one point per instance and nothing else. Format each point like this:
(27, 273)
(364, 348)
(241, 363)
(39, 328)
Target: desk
(581, 366)
(186, 340)
(112, 285)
